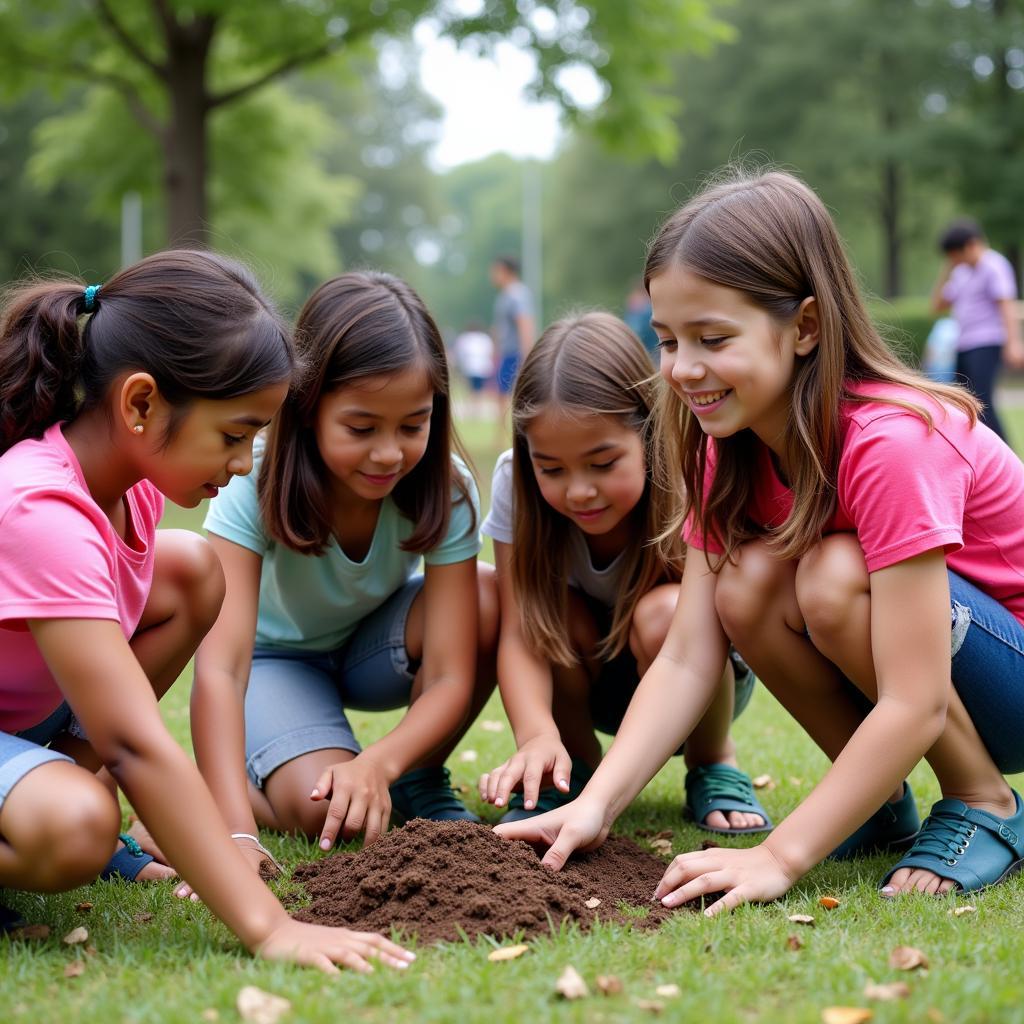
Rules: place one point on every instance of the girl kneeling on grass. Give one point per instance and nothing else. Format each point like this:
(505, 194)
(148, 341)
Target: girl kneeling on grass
(586, 601)
(356, 483)
(110, 400)
(850, 525)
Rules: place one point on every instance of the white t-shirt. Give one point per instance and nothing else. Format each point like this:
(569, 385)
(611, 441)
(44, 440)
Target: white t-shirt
(602, 585)
(474, 353)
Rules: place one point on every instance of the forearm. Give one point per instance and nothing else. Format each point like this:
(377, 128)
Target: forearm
(526, 688)
(891, 740)
(1011, 324)
(218, 737)
(168, 792)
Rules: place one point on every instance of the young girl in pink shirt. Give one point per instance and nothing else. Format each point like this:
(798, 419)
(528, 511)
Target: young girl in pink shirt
(855, 532)
(110, 400)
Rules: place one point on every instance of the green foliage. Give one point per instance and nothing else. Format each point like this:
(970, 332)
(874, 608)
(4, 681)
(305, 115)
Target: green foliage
(905, 324)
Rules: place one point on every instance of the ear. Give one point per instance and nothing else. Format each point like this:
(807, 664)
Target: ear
(808, 327)
(138, 403)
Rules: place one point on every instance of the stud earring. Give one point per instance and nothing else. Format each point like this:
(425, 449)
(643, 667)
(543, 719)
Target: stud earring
(138, 428)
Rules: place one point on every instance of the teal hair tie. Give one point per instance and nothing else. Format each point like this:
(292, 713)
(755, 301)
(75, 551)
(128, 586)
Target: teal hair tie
(90, 296)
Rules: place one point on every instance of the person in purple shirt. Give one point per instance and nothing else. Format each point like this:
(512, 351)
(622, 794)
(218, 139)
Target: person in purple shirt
(979, 286)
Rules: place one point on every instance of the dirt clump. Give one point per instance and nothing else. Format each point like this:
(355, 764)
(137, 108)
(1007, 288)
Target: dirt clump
(440, 880)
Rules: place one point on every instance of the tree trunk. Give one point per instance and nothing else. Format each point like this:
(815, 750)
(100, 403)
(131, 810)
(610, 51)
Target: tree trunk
(891, 198)
(185, 144)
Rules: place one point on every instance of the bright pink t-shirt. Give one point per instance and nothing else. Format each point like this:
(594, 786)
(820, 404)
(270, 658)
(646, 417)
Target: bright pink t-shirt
(60, 558)
(905, 489)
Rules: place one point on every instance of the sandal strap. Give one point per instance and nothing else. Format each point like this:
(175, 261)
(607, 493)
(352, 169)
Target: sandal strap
(130, 843)
(721, 782)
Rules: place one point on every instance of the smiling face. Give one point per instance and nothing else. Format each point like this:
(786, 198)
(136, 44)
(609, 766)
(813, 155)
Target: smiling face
(727, 359)
(211, 444)
(589, 468)
(373, 432)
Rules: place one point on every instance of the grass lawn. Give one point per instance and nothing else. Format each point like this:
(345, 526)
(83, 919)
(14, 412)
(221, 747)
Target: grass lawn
(154, 958)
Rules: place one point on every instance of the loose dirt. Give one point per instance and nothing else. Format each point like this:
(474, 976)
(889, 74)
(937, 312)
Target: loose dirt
(442, 880)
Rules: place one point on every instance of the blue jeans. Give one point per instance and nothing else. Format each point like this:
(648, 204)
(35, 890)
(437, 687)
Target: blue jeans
(988, 671)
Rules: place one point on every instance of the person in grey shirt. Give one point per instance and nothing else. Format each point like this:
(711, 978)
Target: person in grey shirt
(513, 326)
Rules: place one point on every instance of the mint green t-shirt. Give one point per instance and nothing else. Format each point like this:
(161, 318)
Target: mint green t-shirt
(314, 603)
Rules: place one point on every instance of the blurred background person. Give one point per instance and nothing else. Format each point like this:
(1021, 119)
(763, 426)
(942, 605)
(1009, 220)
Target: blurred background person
(513, 326)
(473, 352)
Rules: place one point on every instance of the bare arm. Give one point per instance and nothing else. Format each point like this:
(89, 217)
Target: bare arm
(940, 304)
(1013, 352)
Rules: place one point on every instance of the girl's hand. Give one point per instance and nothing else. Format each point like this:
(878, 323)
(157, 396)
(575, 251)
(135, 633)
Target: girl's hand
(360, 800)
(313, 945)
(755, 875)
(538, 762)
(581, 825)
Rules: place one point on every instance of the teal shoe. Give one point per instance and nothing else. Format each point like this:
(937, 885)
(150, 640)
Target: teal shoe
(892, 827)
(971, 847)
(427, 793)
(720, 787)
(551, 798)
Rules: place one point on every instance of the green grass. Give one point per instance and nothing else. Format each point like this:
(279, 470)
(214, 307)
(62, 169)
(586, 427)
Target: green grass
(180, 962)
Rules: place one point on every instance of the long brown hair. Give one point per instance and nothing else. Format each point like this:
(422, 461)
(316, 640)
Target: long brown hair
(593, 365)
(357, 325)
(194, 320)
(770, 237)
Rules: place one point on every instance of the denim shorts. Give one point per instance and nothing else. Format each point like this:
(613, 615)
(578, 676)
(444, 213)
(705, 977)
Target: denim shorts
(22, 751)
(296, 700)
(988, 670)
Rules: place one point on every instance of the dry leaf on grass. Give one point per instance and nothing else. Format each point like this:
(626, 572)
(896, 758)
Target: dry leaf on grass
(653, 1005)
(608, 984)
(76, 936)
(570, 985)
(887, 992)
(935, 1015)
(461, 787)
(960, 911)
(32, 932)
(84, 907)
(845, 1015)
(710, 844)
(259, 1007)
(665, 833)
(143, 917)
(91, 951)
(593, 903)
(210, 1014)
(75, 969)
(490, 725)
(662, 846)
(801, 919)
(468, 755)
(762, 782)
(506, 953)
(828, 902)
(907, 958)
(668, 991)
(794, 942)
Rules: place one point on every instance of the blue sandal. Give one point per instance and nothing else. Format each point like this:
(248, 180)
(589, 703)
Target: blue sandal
(427, 793)
(972, 848)
(720, 787)
(892, 827)
(127, 862)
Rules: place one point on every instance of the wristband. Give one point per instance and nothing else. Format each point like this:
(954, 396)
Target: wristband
(259, 846)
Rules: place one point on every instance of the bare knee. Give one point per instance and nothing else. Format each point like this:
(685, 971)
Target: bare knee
(190, 568)
(829, 579)
(652, 618)
(746, 587)
(488, 615)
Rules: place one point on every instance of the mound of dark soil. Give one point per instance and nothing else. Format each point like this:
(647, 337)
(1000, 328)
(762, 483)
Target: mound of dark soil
(439, 880)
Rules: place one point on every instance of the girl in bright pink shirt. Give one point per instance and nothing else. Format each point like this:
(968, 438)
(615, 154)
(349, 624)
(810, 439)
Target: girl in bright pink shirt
(109, 402)
(855, 532)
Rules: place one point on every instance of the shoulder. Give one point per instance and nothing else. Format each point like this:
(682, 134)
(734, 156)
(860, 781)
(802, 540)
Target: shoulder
(502, 474)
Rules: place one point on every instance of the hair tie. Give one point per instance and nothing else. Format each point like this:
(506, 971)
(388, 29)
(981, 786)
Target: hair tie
(90, 296)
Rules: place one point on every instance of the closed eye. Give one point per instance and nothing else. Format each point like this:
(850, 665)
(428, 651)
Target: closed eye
(604, 466)
(232, 439)
(712, 341)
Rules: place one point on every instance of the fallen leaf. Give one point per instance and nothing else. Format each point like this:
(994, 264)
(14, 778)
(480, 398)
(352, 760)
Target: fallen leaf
(259, 1007)
(668, 991)
(461, 788)
(794, 781)
(960, 911)
(887, 992)
(76, 936)
(506, 953)
(91, 951)
(828, 902)
(907, 958)
(32, 932)
(143, 917)
(653, 1005)
(763, 782)
(801, 919)
(593, 903)
(210, 1014)
(468, 755)
(935, 1015)
(609, 984)
(794, 942)
(75, 969)
(490, 725)
(570, 985)
(845, 1015)
(665, 833)
(710, 844)
(84, 907)
(661, 846)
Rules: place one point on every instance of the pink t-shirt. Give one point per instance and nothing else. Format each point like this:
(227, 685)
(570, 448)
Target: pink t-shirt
(905, 490)
(60, 558)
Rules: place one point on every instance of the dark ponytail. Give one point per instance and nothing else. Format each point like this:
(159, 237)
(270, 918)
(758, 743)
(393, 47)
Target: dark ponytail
(194, 320)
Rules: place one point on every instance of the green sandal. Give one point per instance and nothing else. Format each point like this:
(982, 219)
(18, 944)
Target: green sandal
(427, 793)
(550, 798)
(894, 826)
(720, 787)
(972, 848)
